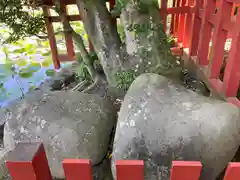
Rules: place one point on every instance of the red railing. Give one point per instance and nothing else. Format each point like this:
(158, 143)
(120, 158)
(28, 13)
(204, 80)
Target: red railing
(28, 161)
(194, 25)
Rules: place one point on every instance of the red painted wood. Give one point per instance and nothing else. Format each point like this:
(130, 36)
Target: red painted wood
(172, 18)
(52, 39)
(233, 10)
(177, 51)
(216, 84)
(112, 4)
(234, 101)
(28, 162)
(195, 32)
(234, 6)
(65, 58)
(177, 17)
(90, 45)
(163, 13)
(77, 169)
(206, 30)
(201, 2)
(181, 23)
(183, 170)
(130, 169)
(232, 172)
(69, 45)
(180, 10)
(231, 74)
(67, 2)
(219, 38)
(70, 18)
(188, 26)
(68, 37)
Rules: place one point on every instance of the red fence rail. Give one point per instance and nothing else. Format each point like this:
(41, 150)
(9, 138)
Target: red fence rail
(210, 21)
(28, 161)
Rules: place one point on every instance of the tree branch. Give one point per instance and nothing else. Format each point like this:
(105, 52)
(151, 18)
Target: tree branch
(103, 33)
(78, 40)
(56, 33)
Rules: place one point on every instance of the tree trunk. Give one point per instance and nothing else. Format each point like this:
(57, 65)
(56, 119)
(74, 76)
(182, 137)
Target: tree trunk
(104, 36)
(148, 40)
(146, 50)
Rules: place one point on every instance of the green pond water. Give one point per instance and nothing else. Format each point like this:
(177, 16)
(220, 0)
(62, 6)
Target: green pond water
(27, 63)
(23, 66)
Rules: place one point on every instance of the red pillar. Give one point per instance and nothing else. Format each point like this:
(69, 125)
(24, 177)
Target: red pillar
(51, 38)
(183, 170)
(28, 161)
(130, 169)
(76, 169)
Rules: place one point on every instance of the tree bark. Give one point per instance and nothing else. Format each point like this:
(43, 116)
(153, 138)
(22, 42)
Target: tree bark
(148, 40)
(145, 51)
(104, 36)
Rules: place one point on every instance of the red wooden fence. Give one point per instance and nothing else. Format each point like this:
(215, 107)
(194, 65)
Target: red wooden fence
(194, 24)
(28, 162)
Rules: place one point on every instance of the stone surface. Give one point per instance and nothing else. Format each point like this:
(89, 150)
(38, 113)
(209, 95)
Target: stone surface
(62, 79)
(3, 170)
(161, 121)
(70, 124)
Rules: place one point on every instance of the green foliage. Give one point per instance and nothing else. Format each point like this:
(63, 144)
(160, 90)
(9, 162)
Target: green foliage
(21, 20)
(142, 5)
(79, 28)
(170, 40)
(121, 32)
(50, 72)
(139, 28)
(28, 71)
(28, 48)
(93, 56)
(124, 79)
(120, 4)
(82, 72)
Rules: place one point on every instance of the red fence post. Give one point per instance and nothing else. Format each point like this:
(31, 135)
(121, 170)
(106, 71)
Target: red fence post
(76, 169)
(173, 20)
(130, 169)
(181, 23)
(232, 172)
(68, 37)
(177, 18)
(195, 34)
(51, 38)
(28, 162)
(231, 73)
(206, 32)
(219, 38)
(184, 170)
(188, 26)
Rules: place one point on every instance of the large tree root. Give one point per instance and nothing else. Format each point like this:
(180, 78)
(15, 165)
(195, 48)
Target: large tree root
(80, 86)
(91, 87)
